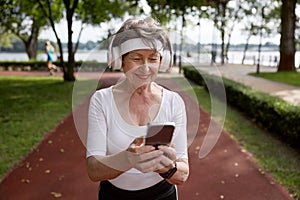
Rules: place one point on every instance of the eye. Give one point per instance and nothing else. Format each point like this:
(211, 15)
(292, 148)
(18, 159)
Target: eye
(136, 59)
(154, 59)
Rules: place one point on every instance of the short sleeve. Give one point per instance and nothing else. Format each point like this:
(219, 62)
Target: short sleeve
(180, 133)
(97, 127)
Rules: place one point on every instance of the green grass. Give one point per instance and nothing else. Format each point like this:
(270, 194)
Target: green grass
(29, 108)
(292, 78)
(278, 159)
(275, 157)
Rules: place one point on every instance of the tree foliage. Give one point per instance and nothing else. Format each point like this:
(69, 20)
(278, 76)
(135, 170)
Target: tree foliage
(166, 10)
(88, 12)
(23, 19)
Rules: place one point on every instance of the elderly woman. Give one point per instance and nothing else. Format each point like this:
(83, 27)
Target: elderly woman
(118, 116)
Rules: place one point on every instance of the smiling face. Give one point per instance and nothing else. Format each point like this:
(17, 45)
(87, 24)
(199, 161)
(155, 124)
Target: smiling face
(141, 66)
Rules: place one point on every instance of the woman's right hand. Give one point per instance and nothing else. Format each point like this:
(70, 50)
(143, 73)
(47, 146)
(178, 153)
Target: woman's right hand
(144, 157)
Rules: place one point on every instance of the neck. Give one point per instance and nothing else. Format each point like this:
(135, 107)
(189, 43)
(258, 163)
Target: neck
(131, 89)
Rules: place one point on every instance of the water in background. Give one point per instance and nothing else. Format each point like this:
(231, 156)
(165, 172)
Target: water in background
(268, 58)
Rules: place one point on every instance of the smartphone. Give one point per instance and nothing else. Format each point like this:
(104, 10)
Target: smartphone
(159, 133)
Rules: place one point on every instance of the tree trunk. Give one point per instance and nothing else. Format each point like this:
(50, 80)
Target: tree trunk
(227, 46)
(246, 48)
(181, 43)
(69, 75)
(34, 47)
(287, 40)
(223, 24)
(61, 57)
(31, 43)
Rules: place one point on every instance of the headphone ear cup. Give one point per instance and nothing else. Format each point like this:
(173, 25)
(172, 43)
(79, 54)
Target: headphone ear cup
(114, 58)
(166, 61)
(117, 63)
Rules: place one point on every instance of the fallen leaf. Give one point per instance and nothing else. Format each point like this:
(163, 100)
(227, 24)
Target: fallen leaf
(25, 180)
(56, 194)
(261, 171)
(61, 178)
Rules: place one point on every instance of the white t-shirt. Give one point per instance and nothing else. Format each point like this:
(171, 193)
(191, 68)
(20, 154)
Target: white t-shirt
(109, 133)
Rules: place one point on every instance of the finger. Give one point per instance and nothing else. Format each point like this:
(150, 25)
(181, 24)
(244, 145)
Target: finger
(150, 165)
(138, 141)
(165, 161)
(136, 159)
(149, 156)
(140, 149)
(161, 168)
(168, 152)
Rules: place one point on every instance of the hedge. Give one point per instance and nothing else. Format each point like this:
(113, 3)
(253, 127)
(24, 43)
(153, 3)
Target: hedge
(41, 65)
(273, 113)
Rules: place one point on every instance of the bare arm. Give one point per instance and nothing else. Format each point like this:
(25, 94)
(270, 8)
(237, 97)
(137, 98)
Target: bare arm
(182, 172)
(99, 171)
(169, 158)
(143, 158)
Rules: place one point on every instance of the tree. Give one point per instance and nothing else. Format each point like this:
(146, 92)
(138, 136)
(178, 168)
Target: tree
(261, 18)
(88, 12)
(218, 14)
(233, 16)
(287, 40)
(6, 39)
(251, 30)
(168, 9)
(23, 19)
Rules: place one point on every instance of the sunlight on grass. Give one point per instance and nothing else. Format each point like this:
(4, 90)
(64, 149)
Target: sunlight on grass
(273, 155)
(292, 78)
(30, 108)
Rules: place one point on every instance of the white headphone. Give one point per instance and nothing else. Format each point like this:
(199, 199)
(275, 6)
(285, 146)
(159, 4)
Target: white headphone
(114, 54)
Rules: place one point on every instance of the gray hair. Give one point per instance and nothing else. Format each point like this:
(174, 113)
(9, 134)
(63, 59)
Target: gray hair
(148, 29)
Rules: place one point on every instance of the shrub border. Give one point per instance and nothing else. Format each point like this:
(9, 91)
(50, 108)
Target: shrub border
(41, 65)
(272, 113)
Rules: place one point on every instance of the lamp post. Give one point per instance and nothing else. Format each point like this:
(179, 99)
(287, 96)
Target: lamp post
(260, 39)
(199, 42)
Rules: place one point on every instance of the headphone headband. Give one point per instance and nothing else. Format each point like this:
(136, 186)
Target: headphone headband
(115, 53)
(135, 44)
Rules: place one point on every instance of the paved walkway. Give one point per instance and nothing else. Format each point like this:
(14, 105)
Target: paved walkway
(240, 73)
(56, 167)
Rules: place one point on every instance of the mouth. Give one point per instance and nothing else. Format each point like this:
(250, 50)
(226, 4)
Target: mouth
(143, 76)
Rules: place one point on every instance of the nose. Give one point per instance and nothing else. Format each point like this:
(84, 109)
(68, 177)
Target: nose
(145, 66)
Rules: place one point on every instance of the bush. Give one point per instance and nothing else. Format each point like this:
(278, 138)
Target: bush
(273, 113)
(41, 65)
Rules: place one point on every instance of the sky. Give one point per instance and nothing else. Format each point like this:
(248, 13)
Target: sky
(208, 34)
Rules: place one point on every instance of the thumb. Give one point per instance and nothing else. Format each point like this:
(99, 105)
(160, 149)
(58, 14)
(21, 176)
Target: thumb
(138, 141)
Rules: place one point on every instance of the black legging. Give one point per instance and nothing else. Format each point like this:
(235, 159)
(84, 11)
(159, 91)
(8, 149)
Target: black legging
(161, 191)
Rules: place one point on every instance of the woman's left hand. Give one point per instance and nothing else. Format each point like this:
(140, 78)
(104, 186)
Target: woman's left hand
(169, 157)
